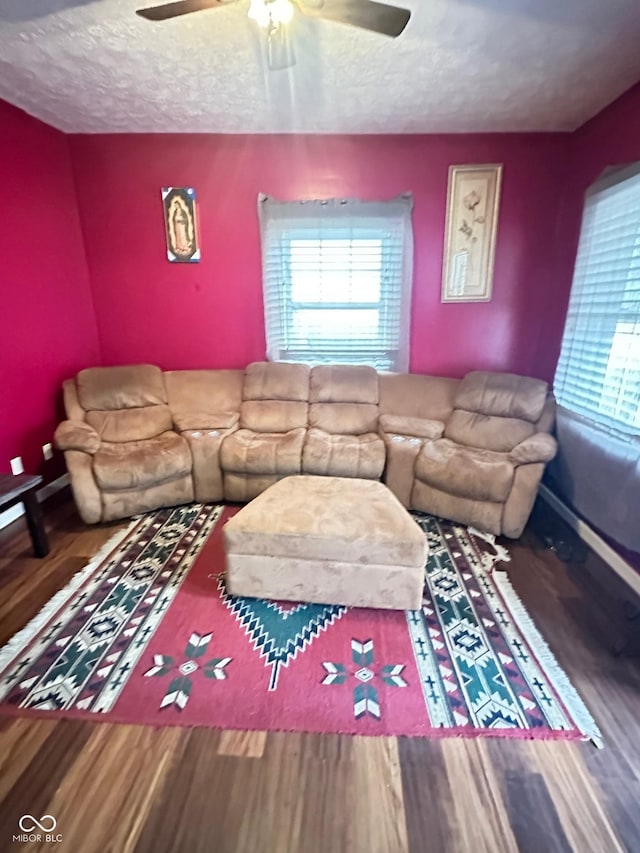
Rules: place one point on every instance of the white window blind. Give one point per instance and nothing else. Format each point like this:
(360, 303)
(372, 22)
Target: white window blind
(337, 280)
(598, 373)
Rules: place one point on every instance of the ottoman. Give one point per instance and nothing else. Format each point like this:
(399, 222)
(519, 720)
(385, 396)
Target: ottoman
(330, 540)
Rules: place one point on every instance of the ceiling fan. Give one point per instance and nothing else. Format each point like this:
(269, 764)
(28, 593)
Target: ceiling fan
(273, 16)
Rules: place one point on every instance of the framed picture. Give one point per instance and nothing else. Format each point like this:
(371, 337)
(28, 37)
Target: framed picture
(180, 224)
(473, 199)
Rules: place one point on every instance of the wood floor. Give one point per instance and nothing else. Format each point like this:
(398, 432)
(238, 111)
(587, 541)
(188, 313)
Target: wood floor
(131, 788)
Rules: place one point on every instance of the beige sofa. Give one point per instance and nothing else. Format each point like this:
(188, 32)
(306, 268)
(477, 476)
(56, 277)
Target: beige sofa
(472, 450)
(273, 423)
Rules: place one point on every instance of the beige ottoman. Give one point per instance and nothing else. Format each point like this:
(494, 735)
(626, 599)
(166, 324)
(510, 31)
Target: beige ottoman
(331, 540)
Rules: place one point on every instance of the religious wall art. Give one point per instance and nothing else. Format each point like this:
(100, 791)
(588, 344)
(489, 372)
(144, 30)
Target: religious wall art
(473, 199)
(180, 223)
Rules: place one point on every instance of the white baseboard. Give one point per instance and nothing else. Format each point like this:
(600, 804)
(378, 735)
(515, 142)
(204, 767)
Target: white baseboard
(597, 544)
(45, 492)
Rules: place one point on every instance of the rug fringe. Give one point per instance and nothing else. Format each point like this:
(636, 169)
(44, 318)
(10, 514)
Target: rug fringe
(567, 692)
(18, 642)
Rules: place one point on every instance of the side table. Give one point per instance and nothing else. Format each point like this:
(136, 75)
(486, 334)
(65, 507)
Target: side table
(22, 488)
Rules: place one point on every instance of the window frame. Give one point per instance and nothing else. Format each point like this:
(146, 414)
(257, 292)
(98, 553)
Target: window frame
(590, 311)
(348, 220)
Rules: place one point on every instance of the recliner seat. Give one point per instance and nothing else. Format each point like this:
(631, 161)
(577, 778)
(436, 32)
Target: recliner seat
(273, 424)
(342, 439)
(485, 468)
(120, 448)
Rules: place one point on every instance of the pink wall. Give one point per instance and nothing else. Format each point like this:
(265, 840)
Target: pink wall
(611, 138)
(48, 322)
(210, 314)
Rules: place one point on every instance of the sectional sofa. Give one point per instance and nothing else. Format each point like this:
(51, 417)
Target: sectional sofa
(471, 450)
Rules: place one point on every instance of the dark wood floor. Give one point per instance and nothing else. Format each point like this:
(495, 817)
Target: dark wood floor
(131, 788)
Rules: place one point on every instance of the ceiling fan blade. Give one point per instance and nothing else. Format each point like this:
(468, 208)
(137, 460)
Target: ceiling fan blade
(365, 14)
(174, 10)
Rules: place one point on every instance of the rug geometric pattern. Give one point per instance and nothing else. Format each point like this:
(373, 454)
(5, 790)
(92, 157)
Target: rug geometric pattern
(147, 633)
(279, 630)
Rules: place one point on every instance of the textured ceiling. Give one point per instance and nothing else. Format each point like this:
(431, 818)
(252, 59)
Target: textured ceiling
(460, 66)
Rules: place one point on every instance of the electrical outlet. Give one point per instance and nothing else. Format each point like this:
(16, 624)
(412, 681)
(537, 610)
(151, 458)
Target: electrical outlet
(47, 450)
(16, 465)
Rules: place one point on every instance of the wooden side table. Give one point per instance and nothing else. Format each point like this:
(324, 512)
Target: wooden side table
(21, 488)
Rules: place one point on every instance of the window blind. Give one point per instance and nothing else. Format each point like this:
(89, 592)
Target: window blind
(598, 373)
(337, 280)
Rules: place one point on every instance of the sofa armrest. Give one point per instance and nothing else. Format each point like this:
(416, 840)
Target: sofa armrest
(185, 421)
(418, 427)
(540, 447)
(76, 435)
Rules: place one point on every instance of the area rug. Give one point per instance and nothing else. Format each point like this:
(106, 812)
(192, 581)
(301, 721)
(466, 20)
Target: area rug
(148, 634)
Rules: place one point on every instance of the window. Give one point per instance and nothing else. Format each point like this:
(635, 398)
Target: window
(598, 374)
(337, 281)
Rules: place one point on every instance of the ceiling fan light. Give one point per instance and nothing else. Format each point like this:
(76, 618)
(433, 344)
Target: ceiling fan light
(270, 13)
(259, 12)
(281, 11)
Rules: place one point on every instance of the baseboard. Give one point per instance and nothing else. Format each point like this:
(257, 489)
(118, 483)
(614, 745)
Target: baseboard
(45, 492)
(620, 566)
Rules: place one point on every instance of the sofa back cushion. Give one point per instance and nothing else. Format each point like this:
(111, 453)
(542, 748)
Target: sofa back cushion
(111, 388)
(415, 396)
(487, 431)
(130, 424)
(273, 415)
(204, 390)
(275, 396)
(496, 411)
(343, 383)
(344, 399)
(266, 380)
(502, 394)
(344, 418)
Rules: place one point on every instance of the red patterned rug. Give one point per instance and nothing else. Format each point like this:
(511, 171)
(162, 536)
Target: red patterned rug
(148, 634)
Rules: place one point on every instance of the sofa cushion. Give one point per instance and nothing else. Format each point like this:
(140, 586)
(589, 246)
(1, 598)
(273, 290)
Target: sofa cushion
(485, 515)
(343, 383)
(344, 418)
(135, 424)
(419, 427)
(204, 390)
(273, 415)
(121, 387)
(140, 464)
(242, 488)
(481, 475)
(265, 380)
(359, 456)
(417, 396)
(126, 502)
(502, 394)
(249, 452)
(186, 421)
(487, 431)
